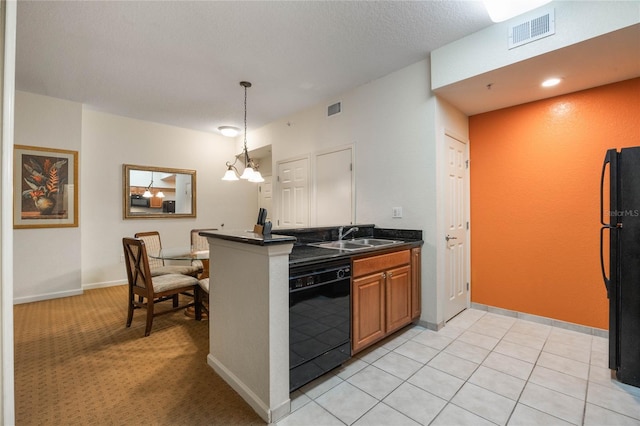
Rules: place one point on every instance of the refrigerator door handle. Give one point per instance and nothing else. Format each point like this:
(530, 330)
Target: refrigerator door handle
(607, 280)
(607, 161)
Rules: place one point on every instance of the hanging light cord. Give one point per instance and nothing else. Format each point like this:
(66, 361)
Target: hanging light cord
(247, 160)
(245, 84)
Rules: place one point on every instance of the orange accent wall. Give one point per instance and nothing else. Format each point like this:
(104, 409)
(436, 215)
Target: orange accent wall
(535, 204)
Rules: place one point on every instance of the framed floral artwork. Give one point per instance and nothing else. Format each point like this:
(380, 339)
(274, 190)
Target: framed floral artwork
(45, 183)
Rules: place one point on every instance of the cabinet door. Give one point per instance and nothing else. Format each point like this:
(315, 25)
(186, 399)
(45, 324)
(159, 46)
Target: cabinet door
(368, 323)
(416, 284)
(398, 298)
(155, 202)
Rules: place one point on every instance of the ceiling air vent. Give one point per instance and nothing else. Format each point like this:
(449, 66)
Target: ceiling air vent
(334, 109)
(523, 32)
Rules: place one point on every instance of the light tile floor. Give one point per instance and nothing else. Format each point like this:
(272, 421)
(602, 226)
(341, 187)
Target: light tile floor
(481, 369)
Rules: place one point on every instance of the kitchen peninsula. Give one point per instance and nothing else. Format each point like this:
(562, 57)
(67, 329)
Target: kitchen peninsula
(249, 326)
(249, 317)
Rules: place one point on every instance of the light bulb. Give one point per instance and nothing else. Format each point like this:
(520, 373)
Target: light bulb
(550, 82)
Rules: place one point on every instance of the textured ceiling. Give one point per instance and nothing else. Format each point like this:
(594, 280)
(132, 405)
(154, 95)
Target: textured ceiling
(180, 62)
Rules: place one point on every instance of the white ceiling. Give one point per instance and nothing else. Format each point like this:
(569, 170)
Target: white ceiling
(595, 62)
(180, 62)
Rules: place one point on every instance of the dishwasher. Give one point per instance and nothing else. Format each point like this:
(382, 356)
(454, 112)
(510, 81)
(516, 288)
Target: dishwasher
(319, 320)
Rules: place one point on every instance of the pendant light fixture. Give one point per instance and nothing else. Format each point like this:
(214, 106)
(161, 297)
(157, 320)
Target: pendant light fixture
(250, 172)
(147, 192)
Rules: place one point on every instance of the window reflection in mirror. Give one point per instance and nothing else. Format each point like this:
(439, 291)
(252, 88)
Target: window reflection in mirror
(158, 192)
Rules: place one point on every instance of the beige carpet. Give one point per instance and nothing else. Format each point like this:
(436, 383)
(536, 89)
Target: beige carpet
(77, 364)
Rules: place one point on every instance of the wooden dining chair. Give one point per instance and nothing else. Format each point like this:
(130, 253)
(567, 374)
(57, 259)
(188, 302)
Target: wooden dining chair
(199, 243)
(202, 300)
(152, 290)
(154, 245)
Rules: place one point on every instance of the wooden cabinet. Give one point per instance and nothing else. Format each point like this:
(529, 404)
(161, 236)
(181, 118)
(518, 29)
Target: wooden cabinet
(155, 202)
(368, 314)
(398, 298)
(416, 283)
(382, 299)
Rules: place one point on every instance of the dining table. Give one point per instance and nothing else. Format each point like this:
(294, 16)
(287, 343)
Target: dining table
(184, 253)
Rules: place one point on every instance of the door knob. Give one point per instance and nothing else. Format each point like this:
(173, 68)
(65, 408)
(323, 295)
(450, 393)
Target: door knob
(450, 238)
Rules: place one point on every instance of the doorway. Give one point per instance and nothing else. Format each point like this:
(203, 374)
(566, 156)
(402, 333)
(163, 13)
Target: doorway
(265, 196)
(293, 193)
(456, 228)
(334, 202)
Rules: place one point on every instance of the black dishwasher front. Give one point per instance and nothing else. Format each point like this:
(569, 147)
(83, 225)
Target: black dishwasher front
(319, 320)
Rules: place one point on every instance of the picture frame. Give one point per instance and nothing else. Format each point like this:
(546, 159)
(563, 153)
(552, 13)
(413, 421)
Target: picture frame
(45, 187)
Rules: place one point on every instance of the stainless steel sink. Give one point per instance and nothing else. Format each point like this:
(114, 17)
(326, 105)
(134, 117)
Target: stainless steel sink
(376, 241)
(356, 244)
(342, 245)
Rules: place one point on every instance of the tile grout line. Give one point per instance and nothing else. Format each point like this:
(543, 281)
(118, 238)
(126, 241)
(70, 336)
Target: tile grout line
(464, 328)
(586, 390)
(467, 379)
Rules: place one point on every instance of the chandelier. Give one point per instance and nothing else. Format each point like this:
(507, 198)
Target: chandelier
(148, 193)
(250, 172)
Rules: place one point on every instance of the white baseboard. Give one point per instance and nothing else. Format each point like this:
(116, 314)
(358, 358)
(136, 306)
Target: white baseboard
(269, 415)
(542, 320)
(46, 296)
(66, 293)
(103, 284)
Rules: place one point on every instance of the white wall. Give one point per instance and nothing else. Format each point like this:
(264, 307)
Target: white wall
(47, 261)
(57, 262)
(487, 50)
(108, 142)
(392, 125)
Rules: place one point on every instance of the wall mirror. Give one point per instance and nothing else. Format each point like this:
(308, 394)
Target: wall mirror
(158, 192)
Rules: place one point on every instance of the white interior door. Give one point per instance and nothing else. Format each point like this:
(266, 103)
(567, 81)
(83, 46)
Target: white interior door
(456, 228)
(265, 196)
(293, 186)
(334, 188)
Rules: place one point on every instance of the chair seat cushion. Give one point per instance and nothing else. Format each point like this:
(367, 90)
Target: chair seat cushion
(204, 284)
(172, 281)
(175, 269)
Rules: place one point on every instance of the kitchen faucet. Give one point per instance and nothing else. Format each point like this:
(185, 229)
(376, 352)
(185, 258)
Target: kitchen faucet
(341, 235)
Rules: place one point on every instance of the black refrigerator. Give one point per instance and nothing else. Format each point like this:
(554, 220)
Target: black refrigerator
(620, 219)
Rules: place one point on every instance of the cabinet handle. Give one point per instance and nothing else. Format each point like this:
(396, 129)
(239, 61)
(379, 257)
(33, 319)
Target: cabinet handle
(390, 274)
(384, 275)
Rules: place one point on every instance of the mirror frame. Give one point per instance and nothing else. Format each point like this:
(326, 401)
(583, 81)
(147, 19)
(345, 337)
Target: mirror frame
(126, 192)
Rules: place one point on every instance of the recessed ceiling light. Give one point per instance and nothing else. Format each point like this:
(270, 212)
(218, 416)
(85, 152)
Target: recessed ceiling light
(229, 131)
(550, 82)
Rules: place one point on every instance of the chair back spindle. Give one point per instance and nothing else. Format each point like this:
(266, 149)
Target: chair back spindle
(154, 244)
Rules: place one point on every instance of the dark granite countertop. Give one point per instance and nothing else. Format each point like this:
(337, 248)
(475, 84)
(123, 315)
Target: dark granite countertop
(249, 237)
(304, 254)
